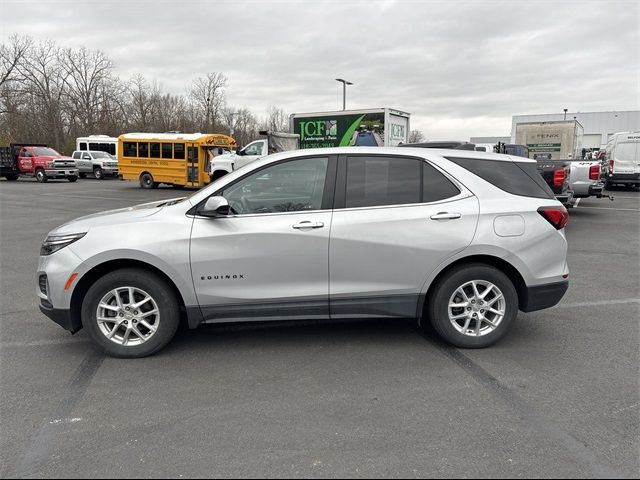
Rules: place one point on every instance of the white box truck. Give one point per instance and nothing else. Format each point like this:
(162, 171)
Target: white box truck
(370, 127)
(557, 140)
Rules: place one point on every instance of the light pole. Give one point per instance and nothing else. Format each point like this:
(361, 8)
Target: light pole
(344, 91)
(565, 112)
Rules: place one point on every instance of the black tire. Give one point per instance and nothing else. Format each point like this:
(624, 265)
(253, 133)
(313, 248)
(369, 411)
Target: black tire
(83, 175)
(72, 179)
(98, 173)
(146, 181)
(11, 178)
(156, 287)
(438, 304)
(41, 176)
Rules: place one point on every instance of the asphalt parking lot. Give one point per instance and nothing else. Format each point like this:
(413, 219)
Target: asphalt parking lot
(558, 397)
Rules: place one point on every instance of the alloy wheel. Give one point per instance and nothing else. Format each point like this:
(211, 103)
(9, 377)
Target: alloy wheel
(128, 316)
(476, 308)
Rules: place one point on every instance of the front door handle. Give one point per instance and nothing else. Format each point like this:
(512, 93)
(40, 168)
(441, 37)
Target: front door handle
(445, 216)
(308, 225)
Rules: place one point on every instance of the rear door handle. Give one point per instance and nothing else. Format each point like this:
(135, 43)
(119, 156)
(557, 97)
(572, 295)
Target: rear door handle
(445, 216)
(308, 225)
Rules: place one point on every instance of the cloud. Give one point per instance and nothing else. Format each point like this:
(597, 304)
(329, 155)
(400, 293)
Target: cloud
(461, 68)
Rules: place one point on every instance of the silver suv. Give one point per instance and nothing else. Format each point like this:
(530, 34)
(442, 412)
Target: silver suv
(460, 240)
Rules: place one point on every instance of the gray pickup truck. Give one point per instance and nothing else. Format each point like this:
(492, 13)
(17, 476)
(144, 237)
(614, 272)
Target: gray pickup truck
(100, 164)
(572, 180)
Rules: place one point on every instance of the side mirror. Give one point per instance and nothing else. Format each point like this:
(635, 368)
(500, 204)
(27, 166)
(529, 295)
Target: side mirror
(240, 152)
(215, 207)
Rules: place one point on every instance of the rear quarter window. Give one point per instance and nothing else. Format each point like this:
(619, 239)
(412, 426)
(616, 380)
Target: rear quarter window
(517, 178)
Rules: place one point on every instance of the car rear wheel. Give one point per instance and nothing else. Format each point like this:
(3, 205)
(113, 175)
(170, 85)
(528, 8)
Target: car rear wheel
(41, 176)
(72, 179)
(11, 178)
(473, 306)
(131, 313)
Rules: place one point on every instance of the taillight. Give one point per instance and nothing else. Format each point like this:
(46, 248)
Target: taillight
(559, 177)
(556, 216)
(594, 172)
(610, 166)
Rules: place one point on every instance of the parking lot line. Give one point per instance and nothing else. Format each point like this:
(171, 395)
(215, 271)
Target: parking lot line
(613, 208)
(598, 302)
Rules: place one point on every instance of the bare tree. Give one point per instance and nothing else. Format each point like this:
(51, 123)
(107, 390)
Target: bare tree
(42, 91)
(207, 97)
(416, 136)
(241, 124)
(142, 96)
(276, 120)
(12, 56)
(87, 71)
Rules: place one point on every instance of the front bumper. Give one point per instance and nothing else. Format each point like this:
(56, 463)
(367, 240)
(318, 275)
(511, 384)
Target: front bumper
(52, 173)
(63, 318)
(540, 297)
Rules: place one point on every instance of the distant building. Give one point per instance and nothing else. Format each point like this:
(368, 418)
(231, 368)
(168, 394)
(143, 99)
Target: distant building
(493, 140)
(598, 126)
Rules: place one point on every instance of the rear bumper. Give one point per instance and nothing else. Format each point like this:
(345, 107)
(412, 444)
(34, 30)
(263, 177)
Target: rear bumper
(625, 178)
(540, 297)
(63, 318)
(565, 198)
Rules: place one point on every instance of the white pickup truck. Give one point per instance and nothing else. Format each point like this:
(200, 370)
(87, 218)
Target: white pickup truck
(98, 163)
(274, 142)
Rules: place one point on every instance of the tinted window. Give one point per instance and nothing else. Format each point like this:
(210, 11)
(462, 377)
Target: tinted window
(143, 149)
(518, 178)
(45, 152)
(76, 155)
(293, 186)
(167, 151)
(373, 181)
(435, 186)
(178, 150)
(129, 149)
(154, 149)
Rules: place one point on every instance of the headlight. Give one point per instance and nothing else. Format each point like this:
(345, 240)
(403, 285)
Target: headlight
(53, 243)
(50, 163)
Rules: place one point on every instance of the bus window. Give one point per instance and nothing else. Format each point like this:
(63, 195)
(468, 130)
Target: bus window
(154, 150)
(130, 149)
(83, 146)
(166, 150)
(178, 150)
(143, 149)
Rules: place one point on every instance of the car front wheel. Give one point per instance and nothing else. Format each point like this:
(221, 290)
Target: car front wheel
(473, 306)
(131, 313)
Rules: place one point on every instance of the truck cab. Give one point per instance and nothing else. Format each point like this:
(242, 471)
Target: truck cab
(45, 163)
(273, 143)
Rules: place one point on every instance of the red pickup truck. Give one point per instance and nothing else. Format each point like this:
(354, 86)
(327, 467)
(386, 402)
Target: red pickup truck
(37, 161)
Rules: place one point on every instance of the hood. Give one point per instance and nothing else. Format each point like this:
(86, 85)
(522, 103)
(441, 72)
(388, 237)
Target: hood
(120, 216)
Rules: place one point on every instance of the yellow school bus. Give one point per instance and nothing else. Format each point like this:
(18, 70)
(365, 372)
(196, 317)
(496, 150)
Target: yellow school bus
(179, 159)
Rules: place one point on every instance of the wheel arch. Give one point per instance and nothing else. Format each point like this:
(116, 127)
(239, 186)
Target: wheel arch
(499, 263)
(89, 278)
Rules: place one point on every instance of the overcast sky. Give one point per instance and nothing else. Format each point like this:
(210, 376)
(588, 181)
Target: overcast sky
(462, 68)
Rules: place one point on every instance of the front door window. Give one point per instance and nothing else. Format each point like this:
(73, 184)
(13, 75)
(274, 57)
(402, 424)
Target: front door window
(293, 186)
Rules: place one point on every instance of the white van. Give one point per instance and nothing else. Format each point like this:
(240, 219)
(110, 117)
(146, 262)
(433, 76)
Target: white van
(623, 154)
(98, 143)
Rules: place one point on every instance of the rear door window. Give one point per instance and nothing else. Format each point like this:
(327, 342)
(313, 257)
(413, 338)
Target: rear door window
(517, 178)
(373, 181)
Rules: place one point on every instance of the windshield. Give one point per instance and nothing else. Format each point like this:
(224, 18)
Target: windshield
(101, 155)
(45, 152)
